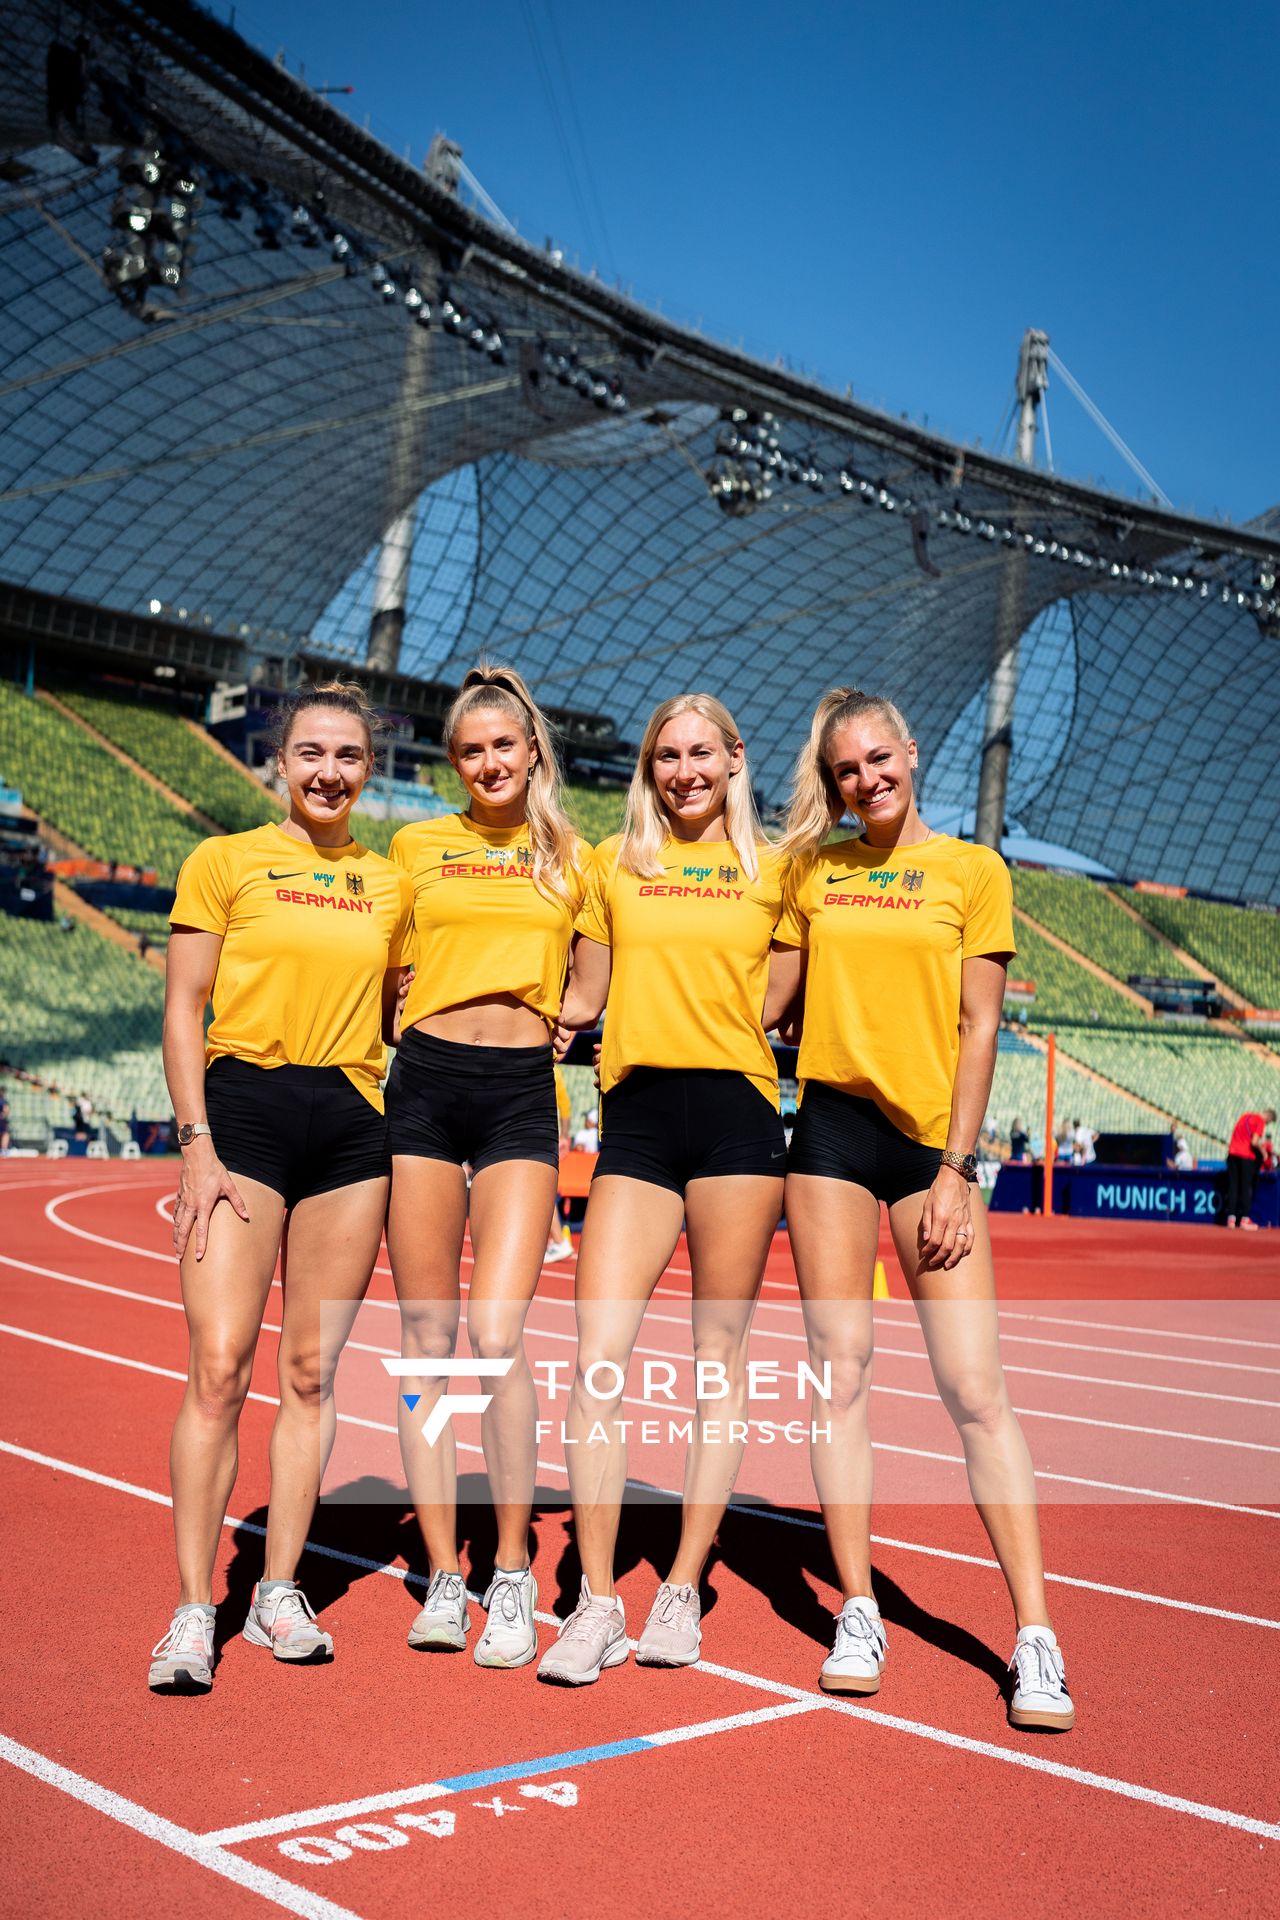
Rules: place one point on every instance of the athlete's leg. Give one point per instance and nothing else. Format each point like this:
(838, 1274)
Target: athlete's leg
(426, 1220)
(834, 1227)
(958, 1316)
(331, 1244)
(511, 1204)
(629, 1235)
(730, 1223)
(224, 1295)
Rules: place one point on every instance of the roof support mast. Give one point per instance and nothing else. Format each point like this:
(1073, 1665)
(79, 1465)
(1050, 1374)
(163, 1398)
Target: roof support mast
(997, 737)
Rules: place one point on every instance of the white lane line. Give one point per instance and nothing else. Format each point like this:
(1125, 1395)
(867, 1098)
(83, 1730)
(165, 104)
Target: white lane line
(1151, 1333)
(750, 1512)
(784, 1709)
(805, 1700)
(1018, 1757)
(553, 1466)
(203, 1853)
(52, 1215)
(671, 1406)
(1138, 1353)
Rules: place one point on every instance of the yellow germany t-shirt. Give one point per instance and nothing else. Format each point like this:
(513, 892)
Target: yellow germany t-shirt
(480, 924)
(690, 960)
(886, 932)
(307, 935)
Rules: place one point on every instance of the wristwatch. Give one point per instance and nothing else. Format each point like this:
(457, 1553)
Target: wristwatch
(191, 1130)
(965, 1164)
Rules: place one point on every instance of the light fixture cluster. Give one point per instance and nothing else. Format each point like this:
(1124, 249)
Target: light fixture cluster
(749, 458)
(604, 390)
(153, 219)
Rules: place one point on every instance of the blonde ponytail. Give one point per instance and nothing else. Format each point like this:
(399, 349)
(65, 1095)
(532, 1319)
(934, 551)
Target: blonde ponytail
(816, 802)
(552, 838)
(646, 824)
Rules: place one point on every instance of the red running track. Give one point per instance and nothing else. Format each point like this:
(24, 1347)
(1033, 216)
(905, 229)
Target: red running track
(1165, 1798)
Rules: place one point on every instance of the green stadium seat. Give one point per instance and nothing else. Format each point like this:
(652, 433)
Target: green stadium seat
(1240, 945)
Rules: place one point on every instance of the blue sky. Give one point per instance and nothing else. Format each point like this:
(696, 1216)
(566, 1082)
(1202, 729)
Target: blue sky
(887, 194)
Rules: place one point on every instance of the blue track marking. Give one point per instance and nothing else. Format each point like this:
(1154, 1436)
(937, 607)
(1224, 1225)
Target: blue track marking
(550, 1763)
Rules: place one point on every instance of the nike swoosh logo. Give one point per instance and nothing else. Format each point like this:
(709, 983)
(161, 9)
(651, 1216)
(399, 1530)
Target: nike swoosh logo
(777, 1156)
(445, 858)
(836, 879)
(284, 876)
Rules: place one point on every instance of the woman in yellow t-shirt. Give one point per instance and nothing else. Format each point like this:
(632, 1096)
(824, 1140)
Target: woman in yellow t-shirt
(676, 932)
(284, 1150)
(900, 942)
(496, 888)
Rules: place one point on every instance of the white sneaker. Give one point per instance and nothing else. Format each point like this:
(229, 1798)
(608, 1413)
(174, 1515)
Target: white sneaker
(1040, 1697)
(443, 1623)
(593, 1636)
(183, 1661)
(510, 1638)
(285, 1622)
(672, 1634)
(857, 1657)
(561, 1251)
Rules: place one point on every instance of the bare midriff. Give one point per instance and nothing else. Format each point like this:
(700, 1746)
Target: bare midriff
(491, 1020)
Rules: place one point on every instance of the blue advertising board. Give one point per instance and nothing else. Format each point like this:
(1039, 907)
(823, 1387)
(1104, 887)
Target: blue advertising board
(1131, 1193)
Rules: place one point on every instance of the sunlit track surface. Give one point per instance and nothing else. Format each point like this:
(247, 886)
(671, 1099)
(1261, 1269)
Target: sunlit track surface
(346, 1789)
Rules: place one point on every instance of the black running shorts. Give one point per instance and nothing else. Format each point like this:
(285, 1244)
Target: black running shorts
(301, 1130)
(840, 1136)
(671, 1125)
(479, 1104)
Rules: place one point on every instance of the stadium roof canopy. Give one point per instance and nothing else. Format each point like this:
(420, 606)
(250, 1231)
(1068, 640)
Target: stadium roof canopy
(622, 507)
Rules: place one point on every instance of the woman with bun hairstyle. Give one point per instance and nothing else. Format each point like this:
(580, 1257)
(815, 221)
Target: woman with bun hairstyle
(675, 934)
(299, 934)
(496, 888)
(902, 937)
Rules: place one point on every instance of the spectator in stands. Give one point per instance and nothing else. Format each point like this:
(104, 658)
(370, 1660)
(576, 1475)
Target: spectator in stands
(284, 1151)
(1019, 1143)
(1182, 1161)
(904, 939)
(1246, 1150)
(83, 1119)
(496, 889)
(144, 946)
(1083, 1144)
(676, 932)
(587, 1138)
(4, 1120)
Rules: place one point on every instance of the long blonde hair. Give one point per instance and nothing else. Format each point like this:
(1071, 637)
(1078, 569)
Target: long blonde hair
(816, 801)
(552, 839)
(646, 824)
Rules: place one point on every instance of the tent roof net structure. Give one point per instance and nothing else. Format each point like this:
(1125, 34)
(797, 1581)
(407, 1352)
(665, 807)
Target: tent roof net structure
(239, 340)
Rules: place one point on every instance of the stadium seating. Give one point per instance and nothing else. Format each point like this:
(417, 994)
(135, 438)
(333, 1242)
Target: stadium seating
(91, 1016)
(1208, 1079)
(1064, 989)
(158, 741)
(1240, 946)
(1019, 1092)
(1088, 919)
(137, 920)
(82, 790)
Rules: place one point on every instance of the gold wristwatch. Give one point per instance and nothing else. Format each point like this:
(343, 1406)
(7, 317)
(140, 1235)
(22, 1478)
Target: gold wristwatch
(965, 1164)
(191, 1130)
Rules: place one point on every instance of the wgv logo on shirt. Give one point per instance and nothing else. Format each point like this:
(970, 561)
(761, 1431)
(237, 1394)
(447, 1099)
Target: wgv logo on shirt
(325, 879)
(697, 873)
(881, 878)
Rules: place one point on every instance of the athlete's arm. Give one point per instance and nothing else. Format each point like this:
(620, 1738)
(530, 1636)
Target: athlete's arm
(191, 964)
(946, 1207)
(395, 991)
(784, 996)
(588, 987)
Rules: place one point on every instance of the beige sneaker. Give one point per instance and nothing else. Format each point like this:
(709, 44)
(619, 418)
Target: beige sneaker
(183, 1661)
(594, 1636)
(283, 1620)
(672, 1634)
(443, 1623)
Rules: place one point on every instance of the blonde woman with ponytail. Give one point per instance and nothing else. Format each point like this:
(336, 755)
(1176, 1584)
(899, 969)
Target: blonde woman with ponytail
(496, 888)
(676, 933)
(901, 939)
